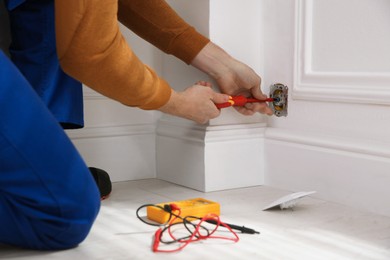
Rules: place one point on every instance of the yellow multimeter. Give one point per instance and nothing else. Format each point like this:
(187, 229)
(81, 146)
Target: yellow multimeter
(197, 207)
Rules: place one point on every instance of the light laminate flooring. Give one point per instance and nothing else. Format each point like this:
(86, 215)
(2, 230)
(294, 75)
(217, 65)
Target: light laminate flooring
(313, 229)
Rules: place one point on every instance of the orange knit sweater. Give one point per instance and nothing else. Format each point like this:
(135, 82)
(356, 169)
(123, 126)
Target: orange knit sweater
(92, 49)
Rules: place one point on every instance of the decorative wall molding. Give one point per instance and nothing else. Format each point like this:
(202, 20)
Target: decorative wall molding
(210, 158)
(354, 87)
(346, 171)
(126, 152)
(337, 143)
(111, 131)
(209, 133)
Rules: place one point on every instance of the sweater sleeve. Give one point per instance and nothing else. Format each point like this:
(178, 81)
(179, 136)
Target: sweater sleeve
(156, 22)
(92, 49)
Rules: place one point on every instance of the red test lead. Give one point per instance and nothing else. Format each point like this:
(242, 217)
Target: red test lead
(156, 240)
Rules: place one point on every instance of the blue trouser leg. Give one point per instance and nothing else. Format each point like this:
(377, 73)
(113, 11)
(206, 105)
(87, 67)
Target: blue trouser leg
(48, 198)
(33, 51)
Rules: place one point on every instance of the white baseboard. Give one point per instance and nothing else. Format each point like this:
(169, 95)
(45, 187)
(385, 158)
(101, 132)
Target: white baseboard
(210, 158)
(349, 171)
(125, 152)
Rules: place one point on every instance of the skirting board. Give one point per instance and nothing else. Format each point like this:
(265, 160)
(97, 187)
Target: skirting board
(348, 172)
(211, 158)
(125, 152)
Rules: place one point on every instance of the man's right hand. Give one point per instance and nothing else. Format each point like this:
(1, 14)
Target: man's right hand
(196, 103)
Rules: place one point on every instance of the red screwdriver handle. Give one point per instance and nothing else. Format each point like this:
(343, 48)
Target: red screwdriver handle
(241, 101)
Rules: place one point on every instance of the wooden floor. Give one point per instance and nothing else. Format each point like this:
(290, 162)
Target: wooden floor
(313, 229)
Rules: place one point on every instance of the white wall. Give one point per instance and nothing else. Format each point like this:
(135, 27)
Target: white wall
(228, 152)
(334, 56)
(233, 25)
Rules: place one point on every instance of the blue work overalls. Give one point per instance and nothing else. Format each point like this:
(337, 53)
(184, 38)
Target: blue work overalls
(33, 51)
(48, 197)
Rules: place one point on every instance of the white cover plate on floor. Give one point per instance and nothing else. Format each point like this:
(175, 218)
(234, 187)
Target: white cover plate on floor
(289, 201)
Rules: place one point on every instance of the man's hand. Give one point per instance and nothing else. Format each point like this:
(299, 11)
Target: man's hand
(233, 77)
(196, 103)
